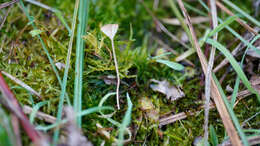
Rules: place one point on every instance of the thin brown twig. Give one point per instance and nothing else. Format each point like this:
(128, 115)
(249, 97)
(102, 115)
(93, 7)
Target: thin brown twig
(162, 27)
(180, 116)
(228, 124)
(6, 4)
(4, 19)
(40, 115)
(249, 28)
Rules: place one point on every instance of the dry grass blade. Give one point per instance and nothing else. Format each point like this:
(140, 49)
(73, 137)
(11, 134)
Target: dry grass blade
(228, 124)
(165, 120)
(214, 20)
(4, 19)
(222, 7)
(21, 83)
(162, 27)
(40, 115)
(194, 20)
(6, 4)
(254, 140)
(9, 100)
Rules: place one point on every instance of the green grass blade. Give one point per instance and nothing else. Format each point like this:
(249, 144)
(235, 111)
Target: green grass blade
(81, 114)
(223, 25)
(235, 65)
(173, 65)
(236, 87)
(213, 136)
(55, 11)
(31, 22)
(126, 121)
(240, 11)
(35, 109)
(65, 76)
(80, 45)
(63, 21)
(227, 27)
(231, 112)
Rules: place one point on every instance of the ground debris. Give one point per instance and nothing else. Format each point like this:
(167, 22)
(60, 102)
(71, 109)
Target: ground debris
(172, 93)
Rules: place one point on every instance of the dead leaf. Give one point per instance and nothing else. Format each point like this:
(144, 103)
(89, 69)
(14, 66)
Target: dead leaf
(110, 30)
(172, 93)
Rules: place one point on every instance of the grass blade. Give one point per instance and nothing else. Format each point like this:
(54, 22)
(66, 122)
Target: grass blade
(80, 45)
(126, 121)
(65, 76)
(235, 65)
(173, 65)
(236, 87)
(31, 22)
(225, 116)
(213, 136)
(231, 112)
(229, 3)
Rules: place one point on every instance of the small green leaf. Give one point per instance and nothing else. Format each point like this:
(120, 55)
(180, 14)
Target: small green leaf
(173, 65)
(213, 136)
(36, 32)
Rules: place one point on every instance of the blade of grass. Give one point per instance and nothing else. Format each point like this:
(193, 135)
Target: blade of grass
(65, 76)
(35, 109)
(12, 104)
(231, 112)
(126, 121)
(31, 22)
(55, 11)
(173, 65)
(184, 26)
(80, 114)
(236, 87)
(235, 66)
(80, 45)
(213, 136)
(249, 28)
(209, 71)
(21, 83)
(229, 3)
(227, 27)
(215, 92)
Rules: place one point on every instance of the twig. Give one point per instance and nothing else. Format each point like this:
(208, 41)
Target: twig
(238, 20)
(162, 27)
(214, 19)
(248, 36)
(4, 19)
(222, 109)
(194, 20)
(254, 140)
(180, 116)
(21, 83)
(6, 4)
(39, 115)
